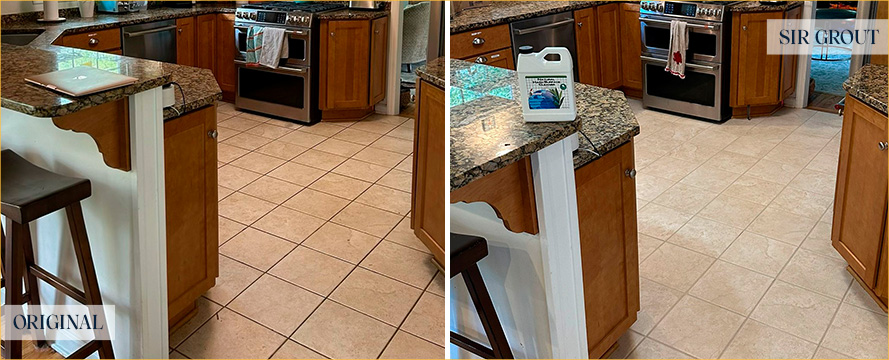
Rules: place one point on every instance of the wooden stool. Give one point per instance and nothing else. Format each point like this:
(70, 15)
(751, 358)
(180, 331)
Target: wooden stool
(29, 193)
(466, 252)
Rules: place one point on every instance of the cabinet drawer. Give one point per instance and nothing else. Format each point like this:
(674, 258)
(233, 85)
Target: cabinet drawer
(94, 40)
(480, 41)
(499, 58)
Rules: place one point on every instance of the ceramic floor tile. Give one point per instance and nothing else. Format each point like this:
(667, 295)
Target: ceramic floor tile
(758, 253)
(244, 209)
(228, 229)
(696, 153)
(406, 165)
(289, 224)
(756, 340)
(796, 310)
(361, 170)
(303, 139)
(647, 245)
(801, 202)
(292, 350)
(339, 147)
(206, 309)
(731, 287)
(247, 141)
(859, 297)
(342, 242)
(825, 353)
(698, 328)
(312, 270)
(788, 154)
(385, 198)
(655, 301)
(281, 150)
(357, 136)
(404, 235)
(233, 278)
(342, 333)
(685, 198)
(705, 236)
(284, 124)
(235, 178)
(276, 304)
(731, 211)
(254, 117)
(824, 275)
(671, 168)
(626, 344)
(729, 161)
(859, 333)
(815, 181)
(397, 179)
(256, 248)
(271, 189)
(649, 187)
(319, 159)
(231, 336)
(650, 349)
(227, 153)
(177, 355)
(401, 263)
(373, 294)
(297, 173)
(376, 127)
(752, 189)
(403, 132)
(751, 145)
(782, 225)
(437, 285)
(317, 203)
(367, 219)
(322, 128)
(339, 185)
(774, 171)
(269, 131)
(380, 157)
(239, 123)
(819, 241)
(660, 222)
(674, 266)
(407, 346)
(824, 162)
(710, 179)
(394, 144)
(427, 319)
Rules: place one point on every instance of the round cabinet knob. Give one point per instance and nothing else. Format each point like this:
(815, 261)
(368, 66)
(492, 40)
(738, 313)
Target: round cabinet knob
(883, 145)
(744, 27)
(630, 173)
(93, 42)
(179, 31)
(481, 60)
(580, 24)
(478, 41)
(213, 134)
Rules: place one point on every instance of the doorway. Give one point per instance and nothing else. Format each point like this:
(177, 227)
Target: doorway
(830, 64)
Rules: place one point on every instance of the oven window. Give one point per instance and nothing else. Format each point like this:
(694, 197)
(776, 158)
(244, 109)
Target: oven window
(698, 43)
(241, 39)
(272, 87)
(698, 88)
(297, 48)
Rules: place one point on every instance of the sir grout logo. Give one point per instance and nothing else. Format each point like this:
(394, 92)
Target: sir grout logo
(58, 322)
(806, 37)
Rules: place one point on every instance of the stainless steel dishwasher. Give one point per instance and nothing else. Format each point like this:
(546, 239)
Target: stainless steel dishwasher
(153, 41)
(545, 31)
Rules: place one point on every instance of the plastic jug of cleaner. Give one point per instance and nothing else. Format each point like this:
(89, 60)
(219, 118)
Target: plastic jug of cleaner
(547, 86)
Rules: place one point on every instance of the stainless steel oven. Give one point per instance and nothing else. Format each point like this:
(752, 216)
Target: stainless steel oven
(705, 39)
(556, 30)
(700, 94)
(299, 46)
(285, 91)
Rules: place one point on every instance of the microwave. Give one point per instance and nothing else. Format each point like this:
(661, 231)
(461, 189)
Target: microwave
(121, 6)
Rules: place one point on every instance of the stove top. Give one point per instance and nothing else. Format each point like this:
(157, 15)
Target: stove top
(283, 13)
(698, 10)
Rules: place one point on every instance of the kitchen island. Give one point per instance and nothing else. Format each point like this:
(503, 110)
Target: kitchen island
(121, 141)
(539, 193)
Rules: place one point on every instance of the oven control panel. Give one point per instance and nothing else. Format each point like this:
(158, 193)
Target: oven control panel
(684, 9)
(267, 17)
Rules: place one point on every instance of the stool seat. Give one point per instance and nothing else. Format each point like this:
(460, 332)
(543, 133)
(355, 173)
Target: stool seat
(30, 192)
(466, 250)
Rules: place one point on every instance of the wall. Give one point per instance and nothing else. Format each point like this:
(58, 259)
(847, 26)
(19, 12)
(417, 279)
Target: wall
(15, 7)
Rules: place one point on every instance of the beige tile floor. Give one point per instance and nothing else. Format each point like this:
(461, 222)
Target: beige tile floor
(734, 243)
(317, 258)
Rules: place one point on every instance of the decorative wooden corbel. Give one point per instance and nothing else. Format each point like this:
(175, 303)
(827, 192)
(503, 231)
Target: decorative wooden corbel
(510, 191)
(109, 126)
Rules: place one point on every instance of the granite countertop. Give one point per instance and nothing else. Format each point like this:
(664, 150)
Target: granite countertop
(758, 6)
(869, 84)
(608, 122)
(433, 72)
(353, 14)
(508, 11)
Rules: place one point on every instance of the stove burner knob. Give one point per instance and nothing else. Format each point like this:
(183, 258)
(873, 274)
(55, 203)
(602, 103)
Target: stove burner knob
(252, 16)
(645, 6)
(660, 7)
(717, 12)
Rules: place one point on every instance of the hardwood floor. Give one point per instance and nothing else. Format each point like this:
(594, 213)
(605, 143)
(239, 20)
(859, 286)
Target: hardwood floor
(29, 351)
(824, 102)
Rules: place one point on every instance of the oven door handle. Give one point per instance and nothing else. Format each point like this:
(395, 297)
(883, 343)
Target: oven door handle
(692, 25)
(543, 27)
(288, 32)
(278, 69)
(688, 65)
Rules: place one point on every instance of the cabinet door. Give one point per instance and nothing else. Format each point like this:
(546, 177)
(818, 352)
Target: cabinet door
(757, 79)
(606, 206)
(883, 277)
(345, 64)
(789, 62)
(587, 46)
(378, 57)
(859, 209)
(185, 41)
(609, 39)
(205, 38)
(226, 72)
(192, 214)
(500, 58)
(428, 195)
(631, 46)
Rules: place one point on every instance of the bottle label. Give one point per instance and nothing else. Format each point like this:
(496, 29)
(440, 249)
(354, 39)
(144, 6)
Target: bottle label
(547, 92)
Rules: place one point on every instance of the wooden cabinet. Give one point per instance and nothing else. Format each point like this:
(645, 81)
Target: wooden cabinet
(226, 49)
(352, 65)
(185, 41)
(192, 210)
(606, 205)
(489, 46)
(598, 34)
(631, 49)
(103, 40)
(608, 38)
(587, 49)
(205, 42)
(429, 178)
(501, 58)
(859, 219)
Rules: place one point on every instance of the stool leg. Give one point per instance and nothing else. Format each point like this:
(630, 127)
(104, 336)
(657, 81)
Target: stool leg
(87, 270)
(488, 316)
(31, 281)
(3, 257)
(12, 261)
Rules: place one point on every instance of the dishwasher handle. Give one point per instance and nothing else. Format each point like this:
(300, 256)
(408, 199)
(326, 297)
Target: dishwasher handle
(542, 27)
(150, 31)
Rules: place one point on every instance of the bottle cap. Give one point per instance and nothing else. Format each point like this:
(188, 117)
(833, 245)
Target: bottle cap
(526, 49)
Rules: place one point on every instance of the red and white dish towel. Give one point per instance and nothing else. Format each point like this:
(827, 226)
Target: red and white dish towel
(678, 46)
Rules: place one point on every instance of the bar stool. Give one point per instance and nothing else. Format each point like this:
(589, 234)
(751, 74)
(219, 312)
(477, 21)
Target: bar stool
(29, 193)
(466, 252)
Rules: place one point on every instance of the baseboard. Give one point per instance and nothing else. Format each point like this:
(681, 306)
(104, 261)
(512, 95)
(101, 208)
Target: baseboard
(69, 345)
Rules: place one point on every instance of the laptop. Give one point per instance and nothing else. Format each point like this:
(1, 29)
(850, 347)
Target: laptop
(81, 80)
